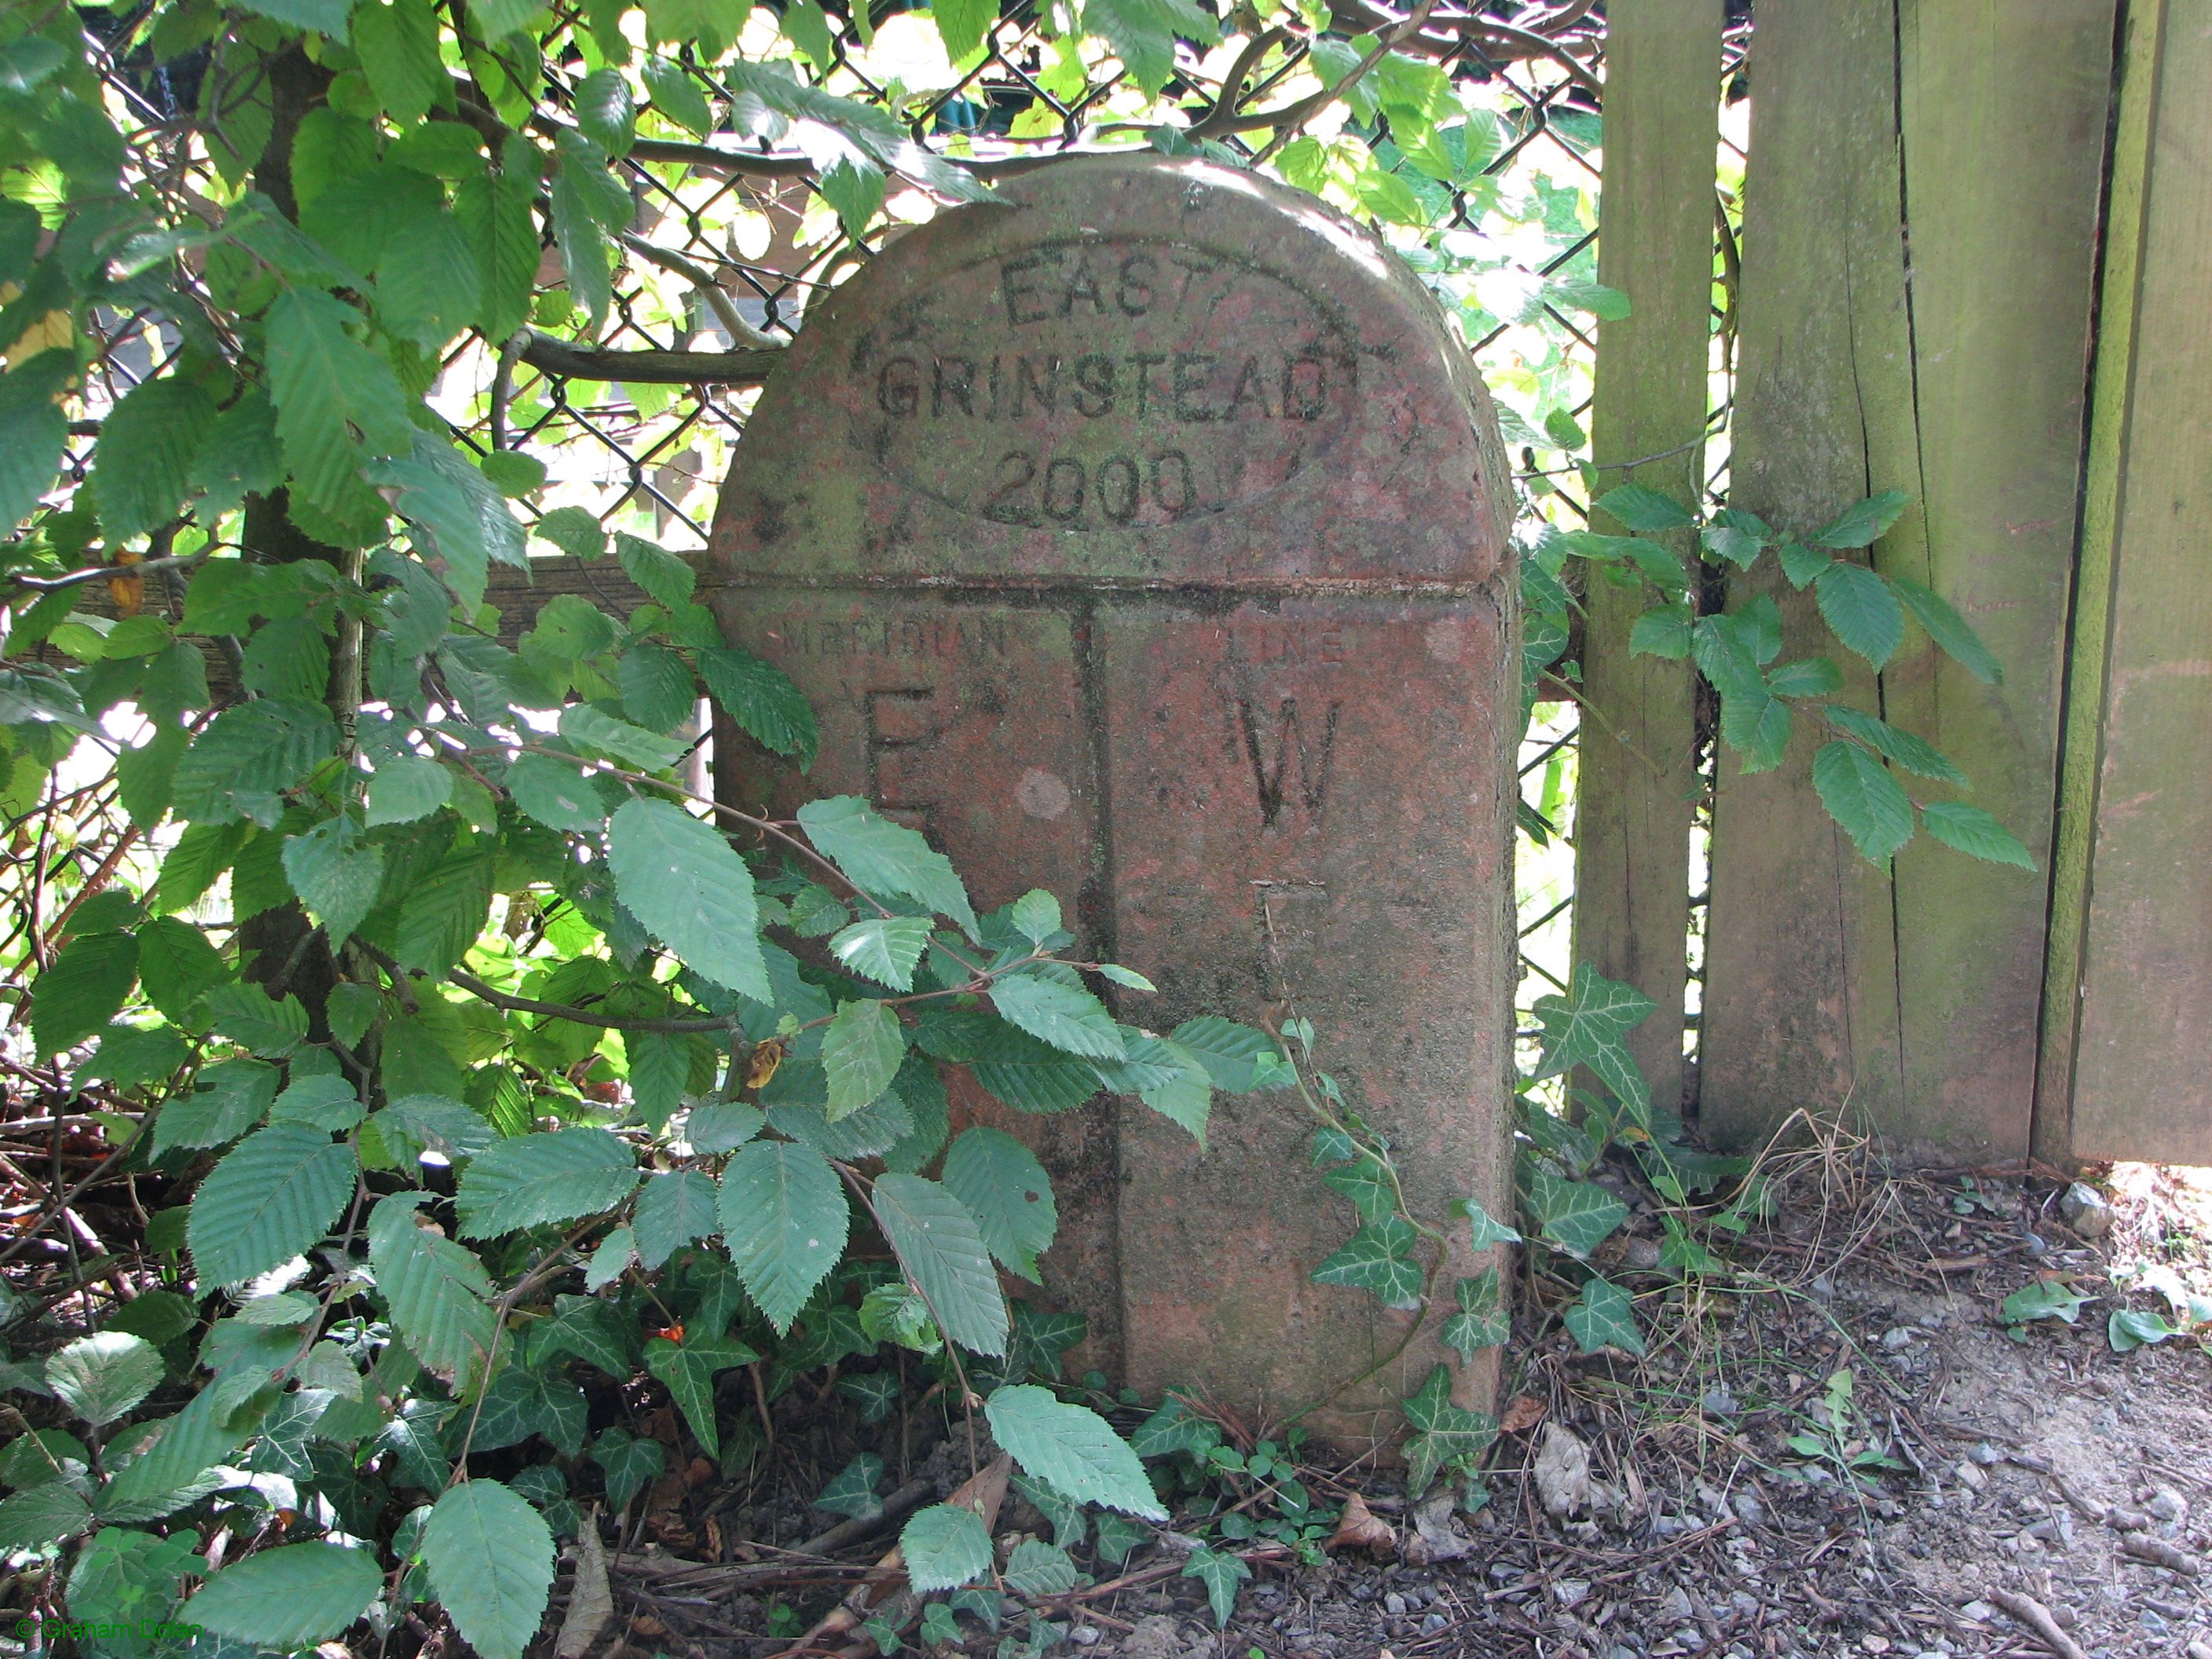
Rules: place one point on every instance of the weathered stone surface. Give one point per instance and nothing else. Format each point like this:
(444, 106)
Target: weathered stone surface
(1144, 540)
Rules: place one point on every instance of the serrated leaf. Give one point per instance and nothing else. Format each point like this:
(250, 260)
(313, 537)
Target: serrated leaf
(665, 578)
(1949, 630)
(1808, 677)
(244, 1014)
(785, 1219)
(942, 1250)
(1031, 1076)
(763, 702)
(327, 388)
(142, 467)
(490, 1561)
(1663, 633)
(688, 1369)
(1037, 1568)
(532, 1180)
(229, 1100)
(1915, 754)
(32, 430)
(660, 1067)
(879, 856)
(1071, 1449)
(1008, 1191)
(398, 46)
(680, 878)
(1642, 510)
(605, 111)
(1603, 1316)
(99, 1377)
(656, 686)
(272, 1198)
(1576, 1216)
(437, 1291)
(1977, 833)
(861, 1052)
(42, 1516)
(325, 1102)
(1863, 523)
(677, 96)
(555, 794)
(82, 990)
(594, 729)
(1863, 610)
(406, 788)
(336, 875)
(290, 1597)
(1375, 1259)
(1238, 1058)
(944, 1546)
(324, 16)
(1067, 1016)
(884, 948)
(1859, 794)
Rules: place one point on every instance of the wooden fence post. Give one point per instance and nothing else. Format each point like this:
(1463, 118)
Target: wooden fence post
(1919, 269)
(2131, 962)
(1636, 776)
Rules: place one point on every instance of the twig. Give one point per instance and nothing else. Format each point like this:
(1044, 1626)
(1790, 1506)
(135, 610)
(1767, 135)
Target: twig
(2037, 1617)
(1294, 116)
(749, 367)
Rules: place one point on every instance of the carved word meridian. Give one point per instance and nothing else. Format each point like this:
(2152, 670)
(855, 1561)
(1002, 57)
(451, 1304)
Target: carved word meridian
(972, 638)
(1186, 387)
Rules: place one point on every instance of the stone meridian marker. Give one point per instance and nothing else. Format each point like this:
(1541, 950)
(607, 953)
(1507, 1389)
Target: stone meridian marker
(1144, 539)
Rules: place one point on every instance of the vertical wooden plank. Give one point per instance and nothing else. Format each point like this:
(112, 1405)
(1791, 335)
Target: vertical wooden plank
(1801, 985)
(2140, 1089)
(1638, 780)
(2005, 105)
(2090, 637)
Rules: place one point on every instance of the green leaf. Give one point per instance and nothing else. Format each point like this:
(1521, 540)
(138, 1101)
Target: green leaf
(493, 208)
(879, 856)
(1808, 677)
(230, 1099)
(631, 1465)
(1859, 794)
(398, 46)
(2127, 1329)
(677, 96)
(1037, 1568)
(761, 698)
(656, 686)
(130, 1057)
(1801, 564)
(884, 948)
(1003, 1185)
(1375, 1259)
(665, 578)
(688, 1369)
(852, 1491)
(605, 111)
(555, 794)
(437, 1290)
(860, 1053)
(521, 1401)
(323, 16)
(785, 1218)
(1238, 1058)
(82, 990)
(1481, 1322)
(203, 852)
(1863, 610)
(722, 1125)
(1071, 1449)
(944, 1546)
(1642, 510)
(42, 1516)
(1915, 755)
(1576, 1216)
(429, 281)
(938, 1242)
(325, 1102)
(1949, 630)
(145, 776)
(490, 1559)
(100, 1378)
(291, 1597)
(1589, 1026)
(1220, 1573)
(587, 204)
(1065, 1016)
(272, 1198)
(1367, 1184)
(244, 1014)
(588, 728)
(32, 430)
(1031, 1076)
(680, 878)
(1484, 1230)
(1187, 1099)
(1863, 523)
(406, 788)
(536, 1179)
(854, 186)
(336, 875)
(141, 465)
(590, 1329)
(660, 1067)
(1664, 632)
(1602, 1317)
(1173, 1428)
(174, 1471)
(2043, 1298)
(1444, 1434)
(327, 387)
(1970, 830)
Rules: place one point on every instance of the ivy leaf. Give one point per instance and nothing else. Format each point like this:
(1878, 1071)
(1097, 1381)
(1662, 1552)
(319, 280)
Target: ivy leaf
(1863, 609)
(680, 878)
(82, 990)
(490, 1561)
(784, 1218)
(763, 702)
(852, 1491)
(1481, 1322)
(1863, 523)
(631, 1464)
(860, 1054)
(1859, 794)
(272, 1198)
(1374, 1259)
(1970, 830)
(1071, 1449)
(535, 1179)
(884, 948)
(101, 1376)
(1576, 1216)
(1949, 630)
(1066, 1016)
(942, 1250)
(438, 1292)
(1004, 1187)
(1220, 1573)
(1642, 510)
(944, 1546)
(290, 1597)
(1589, 1026)
(1484, 1230)
(1443, 1433)
(1173, 1428)
(688, 1369)
(1602, 1317)
(879, 856)
(1367, 1184)
(521, 1401)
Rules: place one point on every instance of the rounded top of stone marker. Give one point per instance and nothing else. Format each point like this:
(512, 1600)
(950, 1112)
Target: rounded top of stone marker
(1145, 372)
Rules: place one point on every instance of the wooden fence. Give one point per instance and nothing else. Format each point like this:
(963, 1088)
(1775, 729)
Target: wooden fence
(1976, 245)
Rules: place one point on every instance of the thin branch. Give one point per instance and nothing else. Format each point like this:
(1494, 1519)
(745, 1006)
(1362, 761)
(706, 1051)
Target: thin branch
(750, 366)
(1294, 116)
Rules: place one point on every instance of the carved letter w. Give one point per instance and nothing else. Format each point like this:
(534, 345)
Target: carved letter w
(1290, 742)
